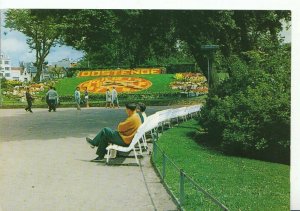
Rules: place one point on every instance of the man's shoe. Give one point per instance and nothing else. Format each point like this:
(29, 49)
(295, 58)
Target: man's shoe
(89, 141)
(98, 159)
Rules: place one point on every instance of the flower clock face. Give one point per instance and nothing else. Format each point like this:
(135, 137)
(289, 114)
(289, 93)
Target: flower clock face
(122, 84)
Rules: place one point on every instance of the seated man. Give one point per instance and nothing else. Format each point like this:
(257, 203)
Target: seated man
(123, 136)
(141, 108)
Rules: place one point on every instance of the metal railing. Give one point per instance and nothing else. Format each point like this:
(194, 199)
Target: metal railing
(189, 194)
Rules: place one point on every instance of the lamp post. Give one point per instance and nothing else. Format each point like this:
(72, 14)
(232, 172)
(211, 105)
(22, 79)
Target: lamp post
(209, 50)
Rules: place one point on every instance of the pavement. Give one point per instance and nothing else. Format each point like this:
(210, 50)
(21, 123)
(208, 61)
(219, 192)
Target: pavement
(45, 164)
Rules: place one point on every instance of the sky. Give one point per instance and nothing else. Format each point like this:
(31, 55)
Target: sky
(15, 45)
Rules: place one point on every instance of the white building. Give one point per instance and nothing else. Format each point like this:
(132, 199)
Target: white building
(16, 74)
(30, 71)
(5, 66)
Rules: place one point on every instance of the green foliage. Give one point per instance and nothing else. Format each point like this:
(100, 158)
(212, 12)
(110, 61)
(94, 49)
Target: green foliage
(159, 37)
(4, 83)
(239, 183)
(57, 72)
(147, 37)
(249, 113)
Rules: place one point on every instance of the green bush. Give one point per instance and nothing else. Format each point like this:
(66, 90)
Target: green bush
(248, 114)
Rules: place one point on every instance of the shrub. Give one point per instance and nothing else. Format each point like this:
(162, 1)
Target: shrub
(248, 114)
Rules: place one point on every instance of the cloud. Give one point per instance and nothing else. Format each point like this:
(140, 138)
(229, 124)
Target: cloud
(59, 53)
(13, 45)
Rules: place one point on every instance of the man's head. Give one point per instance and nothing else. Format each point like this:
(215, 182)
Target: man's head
(51, 87)
(141, 107)
(130, 108)
(77, 88)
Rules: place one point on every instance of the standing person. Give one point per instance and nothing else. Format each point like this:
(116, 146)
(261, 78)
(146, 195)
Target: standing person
(29, 100)
(77, 98)
(52, 96)
(86, 97)
(114, 97)
(108, 98)
(122, 136)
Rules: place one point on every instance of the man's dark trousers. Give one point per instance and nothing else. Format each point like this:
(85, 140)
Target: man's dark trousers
(105, 137)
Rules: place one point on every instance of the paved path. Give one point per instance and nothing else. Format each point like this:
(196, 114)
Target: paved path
(44, 165)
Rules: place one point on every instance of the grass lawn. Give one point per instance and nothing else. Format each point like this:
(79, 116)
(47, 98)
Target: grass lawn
(239, 183)
(160, 83)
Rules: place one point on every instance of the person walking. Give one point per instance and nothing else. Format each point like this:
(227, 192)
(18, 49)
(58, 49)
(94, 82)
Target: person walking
(52, 96)
(77, 98)
(29, 100)
(122, 136)
(108, 98)
(114, 97)
(86, 97)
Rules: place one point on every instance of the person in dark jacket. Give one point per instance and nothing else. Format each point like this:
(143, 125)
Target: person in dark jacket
(29, 100)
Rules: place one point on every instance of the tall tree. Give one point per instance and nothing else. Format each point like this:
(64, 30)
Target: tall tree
(234, 31)
(42, 33)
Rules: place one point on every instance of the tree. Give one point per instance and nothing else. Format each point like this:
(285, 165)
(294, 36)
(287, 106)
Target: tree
(56, 71)
(134, 37)
(42, 33)
(234, 31)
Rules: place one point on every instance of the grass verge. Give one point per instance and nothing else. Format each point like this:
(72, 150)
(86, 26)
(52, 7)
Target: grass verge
(239, 183)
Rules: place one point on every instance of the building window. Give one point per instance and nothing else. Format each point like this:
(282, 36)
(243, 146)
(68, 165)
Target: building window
(7, 74)
(6, 68)
(6, 62)
(1, 74)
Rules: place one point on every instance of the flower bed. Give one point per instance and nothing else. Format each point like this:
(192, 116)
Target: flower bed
(190, 82)
(15, 90)
(122, 84)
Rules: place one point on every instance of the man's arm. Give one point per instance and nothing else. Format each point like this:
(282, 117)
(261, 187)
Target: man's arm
(125, 125)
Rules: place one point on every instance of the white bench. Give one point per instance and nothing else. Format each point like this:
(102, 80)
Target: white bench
(110, 149)
(150, 124)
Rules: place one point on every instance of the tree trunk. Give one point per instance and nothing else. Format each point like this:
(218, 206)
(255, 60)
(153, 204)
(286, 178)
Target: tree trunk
(39, 69)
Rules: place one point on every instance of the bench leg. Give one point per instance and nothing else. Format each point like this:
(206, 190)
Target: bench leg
(107, 156)
(141, 151)
(136, 159)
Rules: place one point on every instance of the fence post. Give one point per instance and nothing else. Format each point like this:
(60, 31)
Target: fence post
(154, 151)
(181, 187)
(164, 166)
